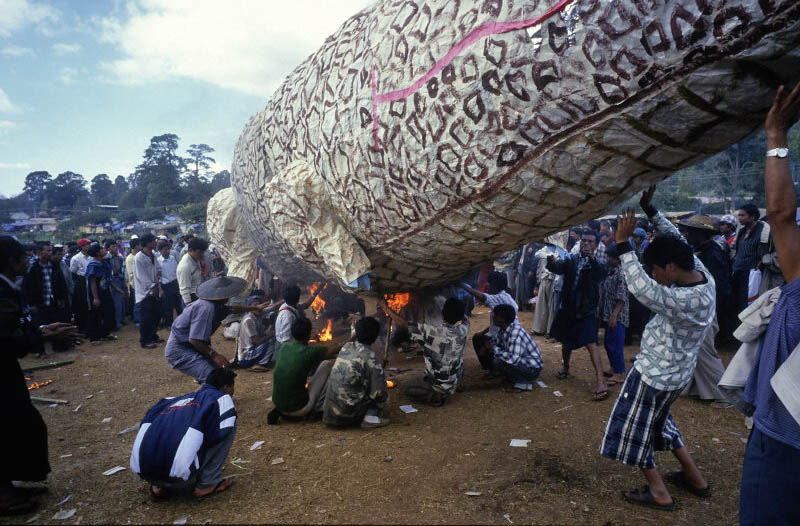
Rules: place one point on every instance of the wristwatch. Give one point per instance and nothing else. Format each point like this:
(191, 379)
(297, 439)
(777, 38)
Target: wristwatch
(778, 152)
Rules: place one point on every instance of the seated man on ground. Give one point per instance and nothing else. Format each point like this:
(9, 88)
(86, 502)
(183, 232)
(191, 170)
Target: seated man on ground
(443, 350)
(256, 344)
(189, 346)
(292, 396)
(183, 443)
(357, 389)
(515, 356)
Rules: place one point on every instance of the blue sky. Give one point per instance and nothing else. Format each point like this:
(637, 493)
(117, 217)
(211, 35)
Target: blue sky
(85, 84)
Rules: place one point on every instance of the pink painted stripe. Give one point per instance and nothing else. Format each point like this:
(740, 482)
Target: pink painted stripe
(489, 28)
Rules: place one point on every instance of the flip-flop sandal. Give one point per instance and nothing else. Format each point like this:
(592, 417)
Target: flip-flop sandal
(17, 508)
(217, 489)
(643, 497)
(677, 478)
(257, 369)
(599, 396)
(562, 374)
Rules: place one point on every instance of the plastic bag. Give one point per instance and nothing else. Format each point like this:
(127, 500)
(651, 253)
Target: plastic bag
(753, 283)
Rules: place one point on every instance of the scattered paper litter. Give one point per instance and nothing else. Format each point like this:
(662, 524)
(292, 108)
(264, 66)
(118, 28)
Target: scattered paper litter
(66, 499)
(77, 408)
(107, 420)
(67, 455)
(519, 442)
(113, 470)
(256, 445)
(269, 399)
(89, 396)
(53, 405)
(408, 408)
(276, 460)
(541, 384)
(64, 514)
(134, 427)
(558, 393)
(134, 389)
(473, 493)
(32, 519)
(182, 520)
(743, 439)
(507, 517)
(715, 439)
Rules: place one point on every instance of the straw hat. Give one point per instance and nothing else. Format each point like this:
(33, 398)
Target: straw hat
(700, 222)
(221, 288)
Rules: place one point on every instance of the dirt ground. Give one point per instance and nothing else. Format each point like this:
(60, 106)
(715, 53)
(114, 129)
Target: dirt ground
(417, 470)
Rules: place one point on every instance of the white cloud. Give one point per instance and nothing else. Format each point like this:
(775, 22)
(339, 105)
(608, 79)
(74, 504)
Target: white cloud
(68, 75)
(15, 51)
(240, 44)
(15, 166)
(18, 14)
(6, 106)
(63, 48)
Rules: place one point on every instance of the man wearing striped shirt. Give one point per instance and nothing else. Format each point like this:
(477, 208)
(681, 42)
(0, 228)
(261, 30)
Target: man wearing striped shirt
(681, 296)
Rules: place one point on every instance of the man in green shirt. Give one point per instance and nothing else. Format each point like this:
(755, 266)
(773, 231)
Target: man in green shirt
(295, 360)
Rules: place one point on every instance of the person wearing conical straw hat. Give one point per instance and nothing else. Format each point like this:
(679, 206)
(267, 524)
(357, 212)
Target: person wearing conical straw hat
(189, 346)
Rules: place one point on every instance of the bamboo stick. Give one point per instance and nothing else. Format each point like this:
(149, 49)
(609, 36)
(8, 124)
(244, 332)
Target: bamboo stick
(49, 400)
(50, 365)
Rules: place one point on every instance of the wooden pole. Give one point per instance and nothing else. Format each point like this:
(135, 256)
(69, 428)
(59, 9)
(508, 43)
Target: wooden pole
(50, 365)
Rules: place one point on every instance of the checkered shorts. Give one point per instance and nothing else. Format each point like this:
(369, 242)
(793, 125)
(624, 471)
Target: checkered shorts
(640, 424)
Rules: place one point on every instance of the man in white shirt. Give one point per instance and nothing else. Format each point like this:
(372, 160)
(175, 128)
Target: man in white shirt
(498, 295)
(190, 270)
(146, 277)
(291, 311)
(80, 299)
(170, 299)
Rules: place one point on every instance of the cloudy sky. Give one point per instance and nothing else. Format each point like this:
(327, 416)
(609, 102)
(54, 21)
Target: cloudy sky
(85, 84)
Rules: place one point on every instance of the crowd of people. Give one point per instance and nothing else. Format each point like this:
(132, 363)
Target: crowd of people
(678, 287)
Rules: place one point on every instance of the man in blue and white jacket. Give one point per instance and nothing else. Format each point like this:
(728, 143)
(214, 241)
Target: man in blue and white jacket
(184, 442)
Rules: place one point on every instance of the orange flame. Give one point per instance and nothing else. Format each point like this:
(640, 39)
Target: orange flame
(318, 304)
(396, 302)
(326, 334)
(389, 384)
(37, 385)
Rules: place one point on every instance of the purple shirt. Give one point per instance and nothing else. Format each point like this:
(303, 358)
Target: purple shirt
(782, 336)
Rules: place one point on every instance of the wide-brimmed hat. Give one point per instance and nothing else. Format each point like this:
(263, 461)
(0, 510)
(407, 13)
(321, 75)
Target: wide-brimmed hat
(221, 288)
(700, 222)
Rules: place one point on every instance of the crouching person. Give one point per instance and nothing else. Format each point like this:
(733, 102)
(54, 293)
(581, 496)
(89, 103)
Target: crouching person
(357, 386)
(516, 356)
(183, 443)
(296, 359)
(443, 350)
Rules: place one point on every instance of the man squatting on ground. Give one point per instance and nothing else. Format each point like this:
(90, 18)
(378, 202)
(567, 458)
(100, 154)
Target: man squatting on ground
(682, 298)
(443, 351)
(357, 390)
(295, 362)
(515, 356)
(189, 346)
(183, 443)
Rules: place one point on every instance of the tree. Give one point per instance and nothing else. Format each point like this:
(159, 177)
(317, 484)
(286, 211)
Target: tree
(221, 180)
(159, 173)
(120, 187)
(198, 158)
(66, 189)
(102, 190)
(36, 186)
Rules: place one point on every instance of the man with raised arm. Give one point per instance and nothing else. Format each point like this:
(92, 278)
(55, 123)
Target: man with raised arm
(772, 457)
(681, 296)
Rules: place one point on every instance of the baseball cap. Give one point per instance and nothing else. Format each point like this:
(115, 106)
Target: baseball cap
(83, 241)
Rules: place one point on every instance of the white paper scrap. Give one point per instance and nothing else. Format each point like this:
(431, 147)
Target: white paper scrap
(519, 442)
(541, 384)
(64, 514)
(77, 408)
(66, 499)
(113, 470)
(276, 460)
(256, 445)
(408, 409)
(107, 420)
(182, 520)
(473, 493)
(558, 393)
